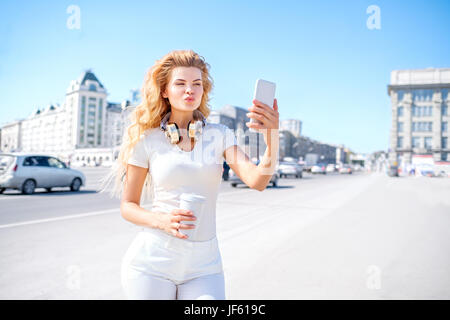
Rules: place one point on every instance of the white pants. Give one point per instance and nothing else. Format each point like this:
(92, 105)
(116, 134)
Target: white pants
(160, 266)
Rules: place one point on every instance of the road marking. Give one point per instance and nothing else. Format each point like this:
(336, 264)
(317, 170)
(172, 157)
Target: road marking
(74, 216)
(5, 197)
(89, 214)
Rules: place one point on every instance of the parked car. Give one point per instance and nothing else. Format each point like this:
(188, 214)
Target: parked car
(442, 173)
(319, 168)
(426, 170)
(235, 180)
(290, 168)
(331, 167)
(345, 169)
(26, 172)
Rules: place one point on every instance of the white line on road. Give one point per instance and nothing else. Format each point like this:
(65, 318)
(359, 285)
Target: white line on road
(88, 214)
(74, 216)
(7, 197)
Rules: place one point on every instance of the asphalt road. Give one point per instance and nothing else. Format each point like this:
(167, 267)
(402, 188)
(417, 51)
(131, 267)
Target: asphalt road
(360, 236)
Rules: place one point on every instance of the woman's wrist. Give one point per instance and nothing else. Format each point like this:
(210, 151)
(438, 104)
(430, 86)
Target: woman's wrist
(154, 220)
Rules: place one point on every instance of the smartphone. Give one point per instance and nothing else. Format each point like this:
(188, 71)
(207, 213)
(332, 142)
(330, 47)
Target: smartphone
(264, 92)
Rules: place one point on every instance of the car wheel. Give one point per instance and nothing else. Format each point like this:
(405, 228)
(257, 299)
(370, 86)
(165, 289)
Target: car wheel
(48, 189)
(76, 184)
(28, 187)
(274, 184)
(234, 185)
(2, 190)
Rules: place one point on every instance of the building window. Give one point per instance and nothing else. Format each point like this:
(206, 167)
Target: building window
(400, 111)
(422, 127)
(427, 143)
(444, 142)
(400, 94)
(399, 126)
(444, 94)
(444, 110)
(400, 142)
(444, 156)
(422, 95)
(92, 87)
(100, 110)
(99, 134)
(415, 142)
(444, 126)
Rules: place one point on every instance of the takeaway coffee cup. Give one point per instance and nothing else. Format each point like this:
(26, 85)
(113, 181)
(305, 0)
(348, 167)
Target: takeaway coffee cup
(194, 203)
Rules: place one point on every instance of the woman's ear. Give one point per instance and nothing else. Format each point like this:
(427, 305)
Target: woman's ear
(164, 93)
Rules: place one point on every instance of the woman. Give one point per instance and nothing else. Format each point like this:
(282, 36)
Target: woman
(162, 261)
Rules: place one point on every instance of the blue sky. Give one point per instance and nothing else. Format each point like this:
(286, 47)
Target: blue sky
(331, 71)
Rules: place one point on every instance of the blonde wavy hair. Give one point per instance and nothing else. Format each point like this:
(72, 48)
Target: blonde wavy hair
(149, 113)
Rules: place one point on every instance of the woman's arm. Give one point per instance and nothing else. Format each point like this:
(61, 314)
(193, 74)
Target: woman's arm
(258, 176)
(267, 165)
(130, 203)
(132, 212)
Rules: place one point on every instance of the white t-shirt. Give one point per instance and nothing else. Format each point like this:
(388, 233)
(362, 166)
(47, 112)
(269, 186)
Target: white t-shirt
(174, 171)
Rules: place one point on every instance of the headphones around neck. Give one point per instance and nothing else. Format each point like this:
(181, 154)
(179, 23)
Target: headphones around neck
(171, 130)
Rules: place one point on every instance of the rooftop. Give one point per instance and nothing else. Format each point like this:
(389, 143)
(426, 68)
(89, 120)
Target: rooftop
(420, 76)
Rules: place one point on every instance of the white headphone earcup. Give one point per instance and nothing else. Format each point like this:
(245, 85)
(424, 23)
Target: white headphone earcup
(172, 133)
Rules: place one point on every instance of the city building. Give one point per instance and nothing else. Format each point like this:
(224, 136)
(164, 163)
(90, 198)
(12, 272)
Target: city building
(235, 117)
(292, 144)
(11, 138)
(292, 125)
(88, 130)
(85, 128)
(419, 103)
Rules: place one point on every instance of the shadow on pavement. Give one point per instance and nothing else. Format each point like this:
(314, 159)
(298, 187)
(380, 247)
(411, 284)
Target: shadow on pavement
(268, 187)
(40, 193)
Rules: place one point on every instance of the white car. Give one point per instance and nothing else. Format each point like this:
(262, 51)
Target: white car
(26, 172)
(235, 180)
(345, 169)
(290, 168)
(319, 168)
(331, 168)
